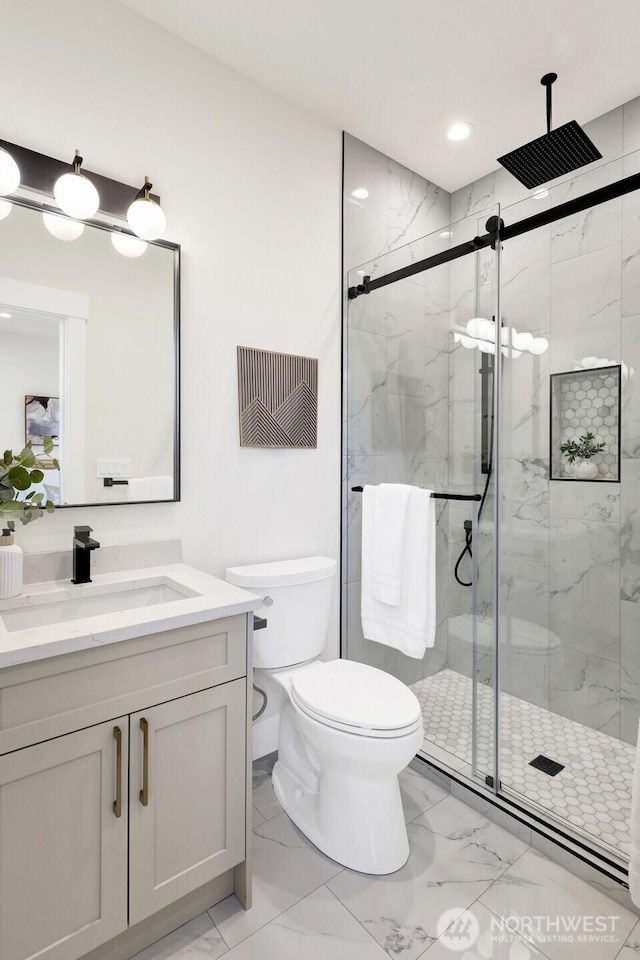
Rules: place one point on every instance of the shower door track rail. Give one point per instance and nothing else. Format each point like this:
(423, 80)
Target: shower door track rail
(498, 231)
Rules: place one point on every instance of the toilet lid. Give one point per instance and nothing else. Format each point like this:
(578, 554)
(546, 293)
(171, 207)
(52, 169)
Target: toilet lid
(356, 695)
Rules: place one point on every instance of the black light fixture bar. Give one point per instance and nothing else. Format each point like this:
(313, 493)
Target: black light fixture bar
(439, 496)
(570, 207)
(39, 172)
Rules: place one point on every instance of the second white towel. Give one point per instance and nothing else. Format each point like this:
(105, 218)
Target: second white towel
(410, 624)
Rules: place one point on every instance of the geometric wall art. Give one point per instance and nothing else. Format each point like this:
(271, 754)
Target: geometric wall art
(278, 398)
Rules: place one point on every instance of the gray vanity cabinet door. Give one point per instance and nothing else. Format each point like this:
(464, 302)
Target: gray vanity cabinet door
(63, 844)
(187, 795)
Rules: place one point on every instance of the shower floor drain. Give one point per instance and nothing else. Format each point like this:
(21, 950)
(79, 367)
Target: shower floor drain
(552, 767)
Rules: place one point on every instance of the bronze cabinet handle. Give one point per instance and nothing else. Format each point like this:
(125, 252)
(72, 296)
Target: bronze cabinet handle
(117, 803)
(144, 793)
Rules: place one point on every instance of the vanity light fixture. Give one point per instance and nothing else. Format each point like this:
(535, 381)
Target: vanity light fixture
(5, 209)
(459, 131)
(75, 194)
(62, 228)
(9, 173)
(128, 246)
(146, 217)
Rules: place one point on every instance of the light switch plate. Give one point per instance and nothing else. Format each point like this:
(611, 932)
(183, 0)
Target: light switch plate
(113, 468)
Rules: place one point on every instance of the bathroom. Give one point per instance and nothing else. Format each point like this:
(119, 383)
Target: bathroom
(293, 156)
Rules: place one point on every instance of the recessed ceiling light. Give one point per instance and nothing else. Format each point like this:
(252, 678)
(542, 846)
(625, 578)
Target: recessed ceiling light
(540, 194)
(360, 193)
(459, 131)
(4, 315)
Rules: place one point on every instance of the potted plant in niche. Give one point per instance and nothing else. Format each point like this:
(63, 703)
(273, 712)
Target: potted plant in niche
(18, 474)
(580, 450)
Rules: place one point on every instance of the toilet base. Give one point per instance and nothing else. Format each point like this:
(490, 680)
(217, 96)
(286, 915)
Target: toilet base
(356, 820)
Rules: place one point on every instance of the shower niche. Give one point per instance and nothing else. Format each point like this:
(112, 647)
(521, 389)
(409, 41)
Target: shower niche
(586, 404)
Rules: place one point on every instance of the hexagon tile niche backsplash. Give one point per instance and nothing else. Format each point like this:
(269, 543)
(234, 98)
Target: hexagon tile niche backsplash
(582, 401)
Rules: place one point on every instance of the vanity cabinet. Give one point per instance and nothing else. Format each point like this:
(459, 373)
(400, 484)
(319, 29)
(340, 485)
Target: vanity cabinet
(186, 801)
(104, 828)
(63, 852)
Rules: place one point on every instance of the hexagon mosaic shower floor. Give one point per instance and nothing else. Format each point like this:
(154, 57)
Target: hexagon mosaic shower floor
(593, 792)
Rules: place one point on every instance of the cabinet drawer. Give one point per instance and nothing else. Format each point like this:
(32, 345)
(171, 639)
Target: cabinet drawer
(53, 697)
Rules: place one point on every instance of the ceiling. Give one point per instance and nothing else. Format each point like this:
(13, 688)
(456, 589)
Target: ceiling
(396, 74)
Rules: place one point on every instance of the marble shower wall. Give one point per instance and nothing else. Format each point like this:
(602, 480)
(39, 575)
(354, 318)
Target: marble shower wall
(396, 373)
(570, 550)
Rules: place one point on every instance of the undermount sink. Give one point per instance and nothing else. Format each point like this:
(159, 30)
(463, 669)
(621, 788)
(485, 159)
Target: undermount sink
(43, 609)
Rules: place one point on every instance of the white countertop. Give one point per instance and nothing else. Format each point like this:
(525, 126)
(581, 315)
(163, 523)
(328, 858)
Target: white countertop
(208, 598)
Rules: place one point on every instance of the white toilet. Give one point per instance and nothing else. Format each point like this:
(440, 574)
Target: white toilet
(346, 730)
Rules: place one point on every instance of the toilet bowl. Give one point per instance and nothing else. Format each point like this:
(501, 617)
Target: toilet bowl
(346, 729)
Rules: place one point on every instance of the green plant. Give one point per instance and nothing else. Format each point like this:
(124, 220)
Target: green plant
(583, 448)
(18, 473)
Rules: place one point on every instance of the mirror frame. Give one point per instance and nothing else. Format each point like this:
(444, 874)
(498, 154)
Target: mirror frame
(105, 226)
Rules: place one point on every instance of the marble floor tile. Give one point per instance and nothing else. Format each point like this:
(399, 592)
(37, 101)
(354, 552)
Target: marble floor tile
(456, 854)
(264, 799)
(478, 935)
(286, 869)
(418, 793)
(534, 887)
(257, 817)
(631, 949)
(197, 940)
(316, 928)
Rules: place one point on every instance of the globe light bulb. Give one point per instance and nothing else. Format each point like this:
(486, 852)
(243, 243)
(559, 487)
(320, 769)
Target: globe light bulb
(62, 228)
(9, 173)
(468, 343)
(75, 194)
(146, 217)
(522, 341)
(538, 346)
(128, 246)
(5, 209)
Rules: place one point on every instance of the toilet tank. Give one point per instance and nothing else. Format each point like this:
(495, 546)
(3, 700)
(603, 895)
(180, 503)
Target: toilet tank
(296, 601)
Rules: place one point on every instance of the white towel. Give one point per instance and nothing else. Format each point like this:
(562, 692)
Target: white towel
(634, 856)
(388, 504)
(409, 626)
(151, 488)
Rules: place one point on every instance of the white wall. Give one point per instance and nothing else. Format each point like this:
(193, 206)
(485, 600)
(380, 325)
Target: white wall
(251, 188)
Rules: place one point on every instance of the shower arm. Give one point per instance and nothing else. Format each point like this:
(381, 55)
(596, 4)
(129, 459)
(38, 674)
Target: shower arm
(547, 81)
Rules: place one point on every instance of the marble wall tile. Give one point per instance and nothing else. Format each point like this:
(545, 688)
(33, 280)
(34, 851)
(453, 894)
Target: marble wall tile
(584, 586)
(607, 132)
(631, 243)
(474, 199)
(365, 234)
(586, 689)
(525, 407)
(585, 308)
(368, 168)
(525, 655)
(594, 228)
(575, 500)
(356, 646)
(525, 519)
(405, 439)
(630, 532)
(360, 471)
(367, 313)
(631, 125)
(437, 320)
(406, 339)
(630, 416)
(436, 403)
(367, 393)
(416, 206)
(525, 279)
(629, 670)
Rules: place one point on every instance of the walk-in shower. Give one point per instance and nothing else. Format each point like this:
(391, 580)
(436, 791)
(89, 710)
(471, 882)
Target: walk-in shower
(472, 355)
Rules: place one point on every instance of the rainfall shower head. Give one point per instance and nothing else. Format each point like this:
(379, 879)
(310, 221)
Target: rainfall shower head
(557, 152)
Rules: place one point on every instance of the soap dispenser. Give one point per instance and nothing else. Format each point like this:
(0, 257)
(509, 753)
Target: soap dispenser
(11, 562)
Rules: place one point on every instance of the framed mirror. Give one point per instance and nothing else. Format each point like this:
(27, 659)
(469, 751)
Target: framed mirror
(89, 348)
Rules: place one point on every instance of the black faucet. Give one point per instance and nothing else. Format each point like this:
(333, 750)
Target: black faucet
(83, 544)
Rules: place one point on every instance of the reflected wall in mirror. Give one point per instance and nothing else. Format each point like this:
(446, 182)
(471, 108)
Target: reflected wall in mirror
(89, 355)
